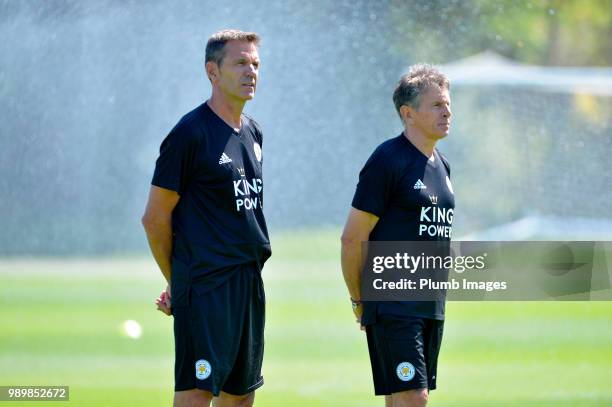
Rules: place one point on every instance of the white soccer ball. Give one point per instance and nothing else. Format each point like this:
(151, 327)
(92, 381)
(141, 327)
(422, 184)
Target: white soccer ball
(132, 329)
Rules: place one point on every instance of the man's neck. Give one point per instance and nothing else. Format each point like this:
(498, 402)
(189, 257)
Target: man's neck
(422, 143)
(228, 111)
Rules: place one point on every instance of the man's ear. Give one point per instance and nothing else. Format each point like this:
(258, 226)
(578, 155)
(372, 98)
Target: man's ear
(406, 114)
(212, 71)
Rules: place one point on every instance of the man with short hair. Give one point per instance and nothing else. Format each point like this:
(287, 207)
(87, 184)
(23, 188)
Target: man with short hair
(207, 232)
(393, 197)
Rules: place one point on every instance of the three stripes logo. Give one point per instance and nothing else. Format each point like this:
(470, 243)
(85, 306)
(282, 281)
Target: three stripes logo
(224, 159)
(419, 185)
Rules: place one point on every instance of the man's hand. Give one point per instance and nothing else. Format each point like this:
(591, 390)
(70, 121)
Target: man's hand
(164, 303)
(358, 311)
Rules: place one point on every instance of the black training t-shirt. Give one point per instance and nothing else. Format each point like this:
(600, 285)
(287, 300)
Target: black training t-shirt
(413, 198)
(218, 222)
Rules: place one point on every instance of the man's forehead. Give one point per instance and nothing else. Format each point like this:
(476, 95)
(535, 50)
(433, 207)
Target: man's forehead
(237, 49)
(436, 92)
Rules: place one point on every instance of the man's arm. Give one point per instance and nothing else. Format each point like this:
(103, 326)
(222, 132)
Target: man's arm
(157, 222)
(357, 230)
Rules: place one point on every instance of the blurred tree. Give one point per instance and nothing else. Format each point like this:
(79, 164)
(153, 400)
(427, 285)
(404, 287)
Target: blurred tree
(545, 32)
(552, 32)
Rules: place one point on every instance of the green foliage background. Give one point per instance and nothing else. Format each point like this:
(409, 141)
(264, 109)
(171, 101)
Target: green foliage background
(539, 32)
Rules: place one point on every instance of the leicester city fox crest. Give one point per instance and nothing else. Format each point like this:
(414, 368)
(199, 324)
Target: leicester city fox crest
(405, 371)
(202, 369)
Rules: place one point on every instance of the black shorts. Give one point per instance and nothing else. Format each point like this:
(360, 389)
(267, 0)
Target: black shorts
(404, 353)
(219, 336)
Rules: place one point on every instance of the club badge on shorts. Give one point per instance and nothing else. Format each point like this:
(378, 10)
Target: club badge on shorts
(202, 369)
(405, 371)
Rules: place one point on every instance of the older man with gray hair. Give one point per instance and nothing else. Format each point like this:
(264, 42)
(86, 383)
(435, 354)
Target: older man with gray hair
(404, 177)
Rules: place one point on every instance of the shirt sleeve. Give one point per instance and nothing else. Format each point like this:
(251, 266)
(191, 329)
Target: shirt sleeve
(375, 185)
(175, 163)
(445, 162)
(258, 132)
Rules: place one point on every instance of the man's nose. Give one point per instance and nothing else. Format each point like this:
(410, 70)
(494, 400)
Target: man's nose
(252, 70)
(447, 112)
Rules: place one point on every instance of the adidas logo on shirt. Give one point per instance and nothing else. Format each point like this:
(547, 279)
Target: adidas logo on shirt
(419, 185)
(224, 159)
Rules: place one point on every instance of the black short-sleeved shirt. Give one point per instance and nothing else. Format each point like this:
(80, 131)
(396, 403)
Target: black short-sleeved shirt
(218, 222)
(413, 198)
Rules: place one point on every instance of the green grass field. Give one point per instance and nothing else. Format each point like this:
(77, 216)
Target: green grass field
(61, 319)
